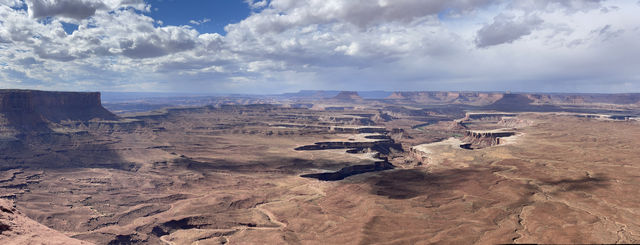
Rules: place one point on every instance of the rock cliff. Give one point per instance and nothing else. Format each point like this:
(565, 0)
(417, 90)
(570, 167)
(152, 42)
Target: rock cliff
(347, 95)
(523, 102)
(436, 97)
(481, 139)
(32, 107)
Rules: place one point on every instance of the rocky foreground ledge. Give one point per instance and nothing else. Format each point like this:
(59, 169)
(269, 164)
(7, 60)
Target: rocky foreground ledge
(16, 228)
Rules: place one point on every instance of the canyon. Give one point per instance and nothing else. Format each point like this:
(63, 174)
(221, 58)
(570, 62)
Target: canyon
(319, 167)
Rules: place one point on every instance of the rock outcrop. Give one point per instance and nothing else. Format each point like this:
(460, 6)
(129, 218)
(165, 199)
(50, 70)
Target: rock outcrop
(16, 228)
(350, 171)
(348, 95)
(24, 108)
(619, 99)
(456, 125)
(487, 116)
(434, 97)
(522, 103)
(481, 139)
(513, 122)
(385, 146)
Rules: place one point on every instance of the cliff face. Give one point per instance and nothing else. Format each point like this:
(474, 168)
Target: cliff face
(31, 108)
(619, 99)
(471, 98)
(348, 95)
(508, 101)
(481, 139)
(523, 102)
(553, 99)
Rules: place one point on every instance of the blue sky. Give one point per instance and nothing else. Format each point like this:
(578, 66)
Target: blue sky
(219, 13)
(261, 46)
(211, 16)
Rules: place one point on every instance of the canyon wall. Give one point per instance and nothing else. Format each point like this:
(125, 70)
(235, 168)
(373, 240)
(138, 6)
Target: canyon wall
(31, 106)
(471, 98)
(523, 101)
(348, 95)
(481, 139)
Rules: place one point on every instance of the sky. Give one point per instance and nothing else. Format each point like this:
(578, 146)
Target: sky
(274, 46)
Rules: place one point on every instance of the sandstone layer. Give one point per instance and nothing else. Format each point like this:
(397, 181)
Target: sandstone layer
(16, 228)
(31, 105)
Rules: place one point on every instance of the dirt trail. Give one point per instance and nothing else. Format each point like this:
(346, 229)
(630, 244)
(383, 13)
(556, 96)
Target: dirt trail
(162, 238)
(271, 217)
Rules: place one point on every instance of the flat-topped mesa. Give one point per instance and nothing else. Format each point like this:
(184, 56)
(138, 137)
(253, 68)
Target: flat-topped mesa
(480, 139)
(32, 106)
(488, 134)
(487, 116)
(348, 95)
(438, 97)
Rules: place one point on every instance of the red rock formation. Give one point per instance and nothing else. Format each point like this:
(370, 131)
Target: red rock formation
(456, 125)
(31, 107)
(540, 98)
(472, 98)
(348, 95)
(514, 122)
(574, 99)
(16, 228)
(396, 96)
(481, 139)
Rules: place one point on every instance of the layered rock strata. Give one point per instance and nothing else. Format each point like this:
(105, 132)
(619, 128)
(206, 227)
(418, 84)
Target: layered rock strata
(34, 108)
(481, 139)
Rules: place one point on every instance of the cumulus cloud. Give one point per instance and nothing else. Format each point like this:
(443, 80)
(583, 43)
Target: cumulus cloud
(11, 3)
(506, 29)
(316, 44)
(159, 42)
(199, 22)
(281, 14)
(67, 8)
(567, 6)
(76, 9)
(256, 4)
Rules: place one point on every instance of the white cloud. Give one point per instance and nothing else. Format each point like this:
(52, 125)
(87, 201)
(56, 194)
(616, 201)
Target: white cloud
(199, 22)
(11, 3)
(65, 8)
(256, 4)
(506, 29)
(77, 9)
(336, 44)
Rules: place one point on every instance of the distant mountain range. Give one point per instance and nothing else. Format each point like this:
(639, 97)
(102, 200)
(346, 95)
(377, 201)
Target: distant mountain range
(461, 97)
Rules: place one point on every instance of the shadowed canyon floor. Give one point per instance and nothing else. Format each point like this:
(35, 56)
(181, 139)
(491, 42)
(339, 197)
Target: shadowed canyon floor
(255, 174)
